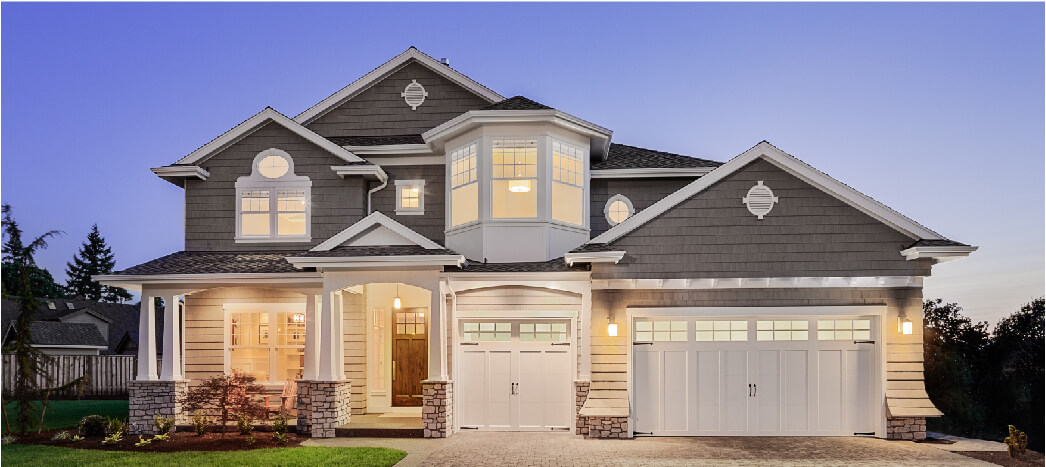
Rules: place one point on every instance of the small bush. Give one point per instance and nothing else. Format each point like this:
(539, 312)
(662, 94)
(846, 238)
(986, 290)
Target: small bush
(250, 440)
(142, 441)
(114, 438)
(8, 440)
(279, 424)
(161, 437)
(77, 438)
(200, 422)
(116, 425)
(93, 425)
(1017, 442)
(61, 436)
(163, 425)
(280, 438)
(245, 424)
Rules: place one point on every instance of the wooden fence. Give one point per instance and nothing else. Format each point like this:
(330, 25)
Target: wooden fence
(107, 375)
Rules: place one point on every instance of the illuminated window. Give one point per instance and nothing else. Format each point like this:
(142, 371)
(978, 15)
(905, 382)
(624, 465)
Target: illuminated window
(269, 345)
(618, 209)
(487, 332)
(782, 330)
(542, 332)
(514, 193)
(568, 187)
(844, 329)
(273, 203)
(409, 322)
(660, 331)
(273, 166)
(410, 197)
(720, 331)
(290, 212)
(464, 194)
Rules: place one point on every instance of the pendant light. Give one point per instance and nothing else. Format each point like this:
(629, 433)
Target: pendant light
(396, 302)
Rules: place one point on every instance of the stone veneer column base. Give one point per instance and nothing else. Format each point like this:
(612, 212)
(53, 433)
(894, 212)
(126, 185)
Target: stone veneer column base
(323, 406)
(437, 409)
(147, 399)
(581, 389)
(607, 427)
(911, 428)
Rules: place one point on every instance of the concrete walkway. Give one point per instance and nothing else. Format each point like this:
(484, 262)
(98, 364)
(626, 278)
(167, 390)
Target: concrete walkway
(556, 449)
(959, 443)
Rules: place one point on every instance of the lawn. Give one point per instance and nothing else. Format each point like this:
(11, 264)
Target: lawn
(67, 414)
(16, 455)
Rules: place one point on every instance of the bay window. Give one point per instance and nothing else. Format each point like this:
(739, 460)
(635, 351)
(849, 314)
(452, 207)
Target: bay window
(464, 194)
(514, 184)
(267, 342)
(568, 183)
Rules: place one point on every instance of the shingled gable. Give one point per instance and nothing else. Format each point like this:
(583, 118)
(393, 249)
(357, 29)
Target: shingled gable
(377, 229)
(386, 69)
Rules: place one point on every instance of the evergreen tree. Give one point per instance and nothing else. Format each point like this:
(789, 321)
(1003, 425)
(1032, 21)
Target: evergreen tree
(95, 257)
(41, 283)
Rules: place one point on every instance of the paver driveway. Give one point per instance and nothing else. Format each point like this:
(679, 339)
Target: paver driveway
(554, 449)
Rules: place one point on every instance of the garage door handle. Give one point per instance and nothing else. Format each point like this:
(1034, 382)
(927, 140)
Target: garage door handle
(864, 342)
(749, 389)
(642, 343)
(470, 343)
(561, 343)
(755, 391)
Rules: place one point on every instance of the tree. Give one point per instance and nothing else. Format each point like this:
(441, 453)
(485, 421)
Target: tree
(230, 395)
(40, 281)
(953, 348)
(29, 361)
(95, 257)
(1016, 373)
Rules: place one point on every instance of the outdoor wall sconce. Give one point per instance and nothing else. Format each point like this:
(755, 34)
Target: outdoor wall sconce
(904, 325)
(611, 327)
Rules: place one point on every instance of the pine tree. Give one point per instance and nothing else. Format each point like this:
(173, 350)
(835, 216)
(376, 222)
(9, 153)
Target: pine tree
(41, 283)
(95, 257)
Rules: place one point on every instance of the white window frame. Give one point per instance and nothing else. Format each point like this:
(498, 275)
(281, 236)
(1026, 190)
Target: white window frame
(258, 182)
(622, 198)
(473, 176)
(580, 181)
(539, 174)
(402, 211)
(273, 309)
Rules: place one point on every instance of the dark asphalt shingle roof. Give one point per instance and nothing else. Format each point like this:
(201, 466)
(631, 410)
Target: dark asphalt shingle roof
(517, 103)
(122, 317)
(943, 242)
(556, 265)
(594, 247)
(215, 262)
(376, 140)
(58, 333)
(350, 251)
(623, 156)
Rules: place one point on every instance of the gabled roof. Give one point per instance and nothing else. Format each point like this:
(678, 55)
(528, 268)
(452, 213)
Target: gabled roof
(377, 140)
(623, 156)
(387, 68)
(517, 103)
(213, 262)
(58, 333)
(377, 220)
(789, 164)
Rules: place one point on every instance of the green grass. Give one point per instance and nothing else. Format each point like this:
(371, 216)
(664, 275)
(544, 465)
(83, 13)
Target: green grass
(16, 455)
(67, 414)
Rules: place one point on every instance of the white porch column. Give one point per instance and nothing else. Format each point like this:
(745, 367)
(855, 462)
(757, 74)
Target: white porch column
(332, 346)
(586, 334)
(437, 361)
(312, 339)
(444, 289)
(146, 342)
(171, 369)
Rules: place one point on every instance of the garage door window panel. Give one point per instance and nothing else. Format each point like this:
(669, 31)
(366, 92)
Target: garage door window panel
(844, 329)
(721, 331)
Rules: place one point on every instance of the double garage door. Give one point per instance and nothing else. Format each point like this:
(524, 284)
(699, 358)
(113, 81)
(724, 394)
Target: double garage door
(760, 376)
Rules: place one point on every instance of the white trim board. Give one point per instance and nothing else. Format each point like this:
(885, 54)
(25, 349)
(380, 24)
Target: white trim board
(390, 149)
(940, 254)
(387, 68)
(363, 262)
(789, 164)
(594, 257)
(760, 283)
(755, 311)
(651, 172)
(599, 137)
(375, 219)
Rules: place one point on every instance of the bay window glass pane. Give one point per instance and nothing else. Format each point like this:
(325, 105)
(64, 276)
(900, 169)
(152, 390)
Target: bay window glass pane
(290, 224)
(251, 361)
(514, 199)
(290, 361)
(464, 204)
(254, 224)
(567, 203)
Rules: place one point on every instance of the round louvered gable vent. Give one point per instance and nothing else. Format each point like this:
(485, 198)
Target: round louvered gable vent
(414, 94)
(760, 200)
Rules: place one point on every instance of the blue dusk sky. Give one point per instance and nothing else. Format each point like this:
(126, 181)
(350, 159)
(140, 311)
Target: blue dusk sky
(935, 109)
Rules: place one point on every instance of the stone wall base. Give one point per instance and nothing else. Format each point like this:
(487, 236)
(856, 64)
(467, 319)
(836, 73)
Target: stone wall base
(147, 399)
(906, 428)
(323, 406)
(581, 389)
(437, 410)
(607, 427)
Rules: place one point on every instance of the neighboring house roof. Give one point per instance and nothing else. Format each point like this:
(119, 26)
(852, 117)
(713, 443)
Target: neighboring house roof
(214, 262)
(517, 103)
(556, 265)
(377, 140)
(58, 333)
(410, 55)
(121, 318)
(623, 156)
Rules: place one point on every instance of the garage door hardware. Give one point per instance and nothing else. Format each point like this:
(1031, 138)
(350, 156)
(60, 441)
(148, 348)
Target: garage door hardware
(864, 342)
(753, 389)
(514, 388)
(470, 343)
(865, 434)
(642, 343)
(470, 428)
(561, 343)
(648, 433)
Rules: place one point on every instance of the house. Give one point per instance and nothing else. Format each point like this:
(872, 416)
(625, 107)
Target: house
(76, 326)
(417, 243)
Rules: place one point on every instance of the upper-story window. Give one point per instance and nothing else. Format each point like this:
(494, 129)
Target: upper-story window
(464, 188)
(410, 197)
(273, 204)
(514, 193)
(568, 187)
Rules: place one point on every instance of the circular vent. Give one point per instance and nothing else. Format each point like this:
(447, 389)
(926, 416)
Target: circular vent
(760, 200)
(414, 94)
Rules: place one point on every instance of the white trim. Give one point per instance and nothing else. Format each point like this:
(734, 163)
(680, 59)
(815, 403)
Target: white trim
(594, 257)
(374, 219)
(651, 172)
(517, 314)
(366, 170)
(251, 124)
(389, 149)
(184, 171)
(939, 253)
(548, 280)
(388, 68)
(408, 160)
(135, 282)
(761, 283)
(623, 199)
(789, 164)
(258, 182)
(357, 262)
(402, 211)
(756, 311)
(599, 136)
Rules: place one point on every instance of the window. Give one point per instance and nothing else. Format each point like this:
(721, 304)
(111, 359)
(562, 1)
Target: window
(269, 345)
(514, 191)
(273, 203)
(782, 330)
(844, 329)
(660, 331)
(542, 332)
(464, 194)
(618, 209)
(488, 332)
(409, 322)
(568, 187)
(410, 197)
(720, 331)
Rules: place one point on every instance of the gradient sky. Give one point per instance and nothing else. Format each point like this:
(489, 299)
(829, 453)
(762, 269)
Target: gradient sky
(936, 110)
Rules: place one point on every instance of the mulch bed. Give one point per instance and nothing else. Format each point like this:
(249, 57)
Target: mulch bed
(180, 441)
(1003, 458)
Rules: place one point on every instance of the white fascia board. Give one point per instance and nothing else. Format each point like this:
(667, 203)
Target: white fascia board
(366, 170)
(357, 262)
(388, 68)
(789, 164)
(410, 159)
(938, 253)
(251, 124)
(390, 149)
(761, 283)
(517, 278)
(594, 257)
(374, 219)
(651, 172)
(185, 171)
(472, 118)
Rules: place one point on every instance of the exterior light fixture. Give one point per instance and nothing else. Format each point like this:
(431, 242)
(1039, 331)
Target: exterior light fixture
(904, 325)
(611, 327)
(396, 302)
(519, 186)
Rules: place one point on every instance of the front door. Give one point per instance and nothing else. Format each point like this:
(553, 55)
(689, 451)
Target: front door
(410, 363)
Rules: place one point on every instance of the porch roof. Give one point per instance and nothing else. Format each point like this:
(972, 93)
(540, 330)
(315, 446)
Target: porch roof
(214, 262)
(556, 265)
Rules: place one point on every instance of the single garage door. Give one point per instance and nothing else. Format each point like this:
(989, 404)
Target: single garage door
(759, 376)
(515, 375)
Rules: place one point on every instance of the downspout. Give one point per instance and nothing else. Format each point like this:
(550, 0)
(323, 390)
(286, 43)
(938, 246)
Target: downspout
(384, 183)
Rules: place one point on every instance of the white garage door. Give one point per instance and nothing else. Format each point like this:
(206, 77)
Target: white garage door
(774, 376)
(515, 375)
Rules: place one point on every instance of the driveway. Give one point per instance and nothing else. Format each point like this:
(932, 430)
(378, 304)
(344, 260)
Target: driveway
(555, 449)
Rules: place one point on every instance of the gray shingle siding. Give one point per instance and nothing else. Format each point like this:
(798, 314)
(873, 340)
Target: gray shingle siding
(210, 205)
(381, 111)
(808, 234)
(430, 224)
(642, 192)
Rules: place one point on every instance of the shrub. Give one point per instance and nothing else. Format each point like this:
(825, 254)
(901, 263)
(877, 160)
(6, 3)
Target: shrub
(200, 422)
(93, 425)
(249, 440)
(8, 440)
(114, 438)
(116, 425)
(1017, 442)
(280, 438)
(77, 438)
(279, 424)
(161, 437)
(163, 425)
(142, 441)
(245, 424)
(61, 436)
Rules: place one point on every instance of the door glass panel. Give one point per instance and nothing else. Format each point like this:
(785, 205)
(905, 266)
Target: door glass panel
(720, 331)
(409, 322)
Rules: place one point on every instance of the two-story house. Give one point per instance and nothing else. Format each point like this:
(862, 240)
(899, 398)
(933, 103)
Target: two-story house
(416, 243)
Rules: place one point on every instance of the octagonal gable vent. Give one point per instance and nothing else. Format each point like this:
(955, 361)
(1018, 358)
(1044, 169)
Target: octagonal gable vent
(414, 94)
(760, 200)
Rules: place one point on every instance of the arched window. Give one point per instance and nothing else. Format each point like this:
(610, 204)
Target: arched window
(618, 209)
(273, 204)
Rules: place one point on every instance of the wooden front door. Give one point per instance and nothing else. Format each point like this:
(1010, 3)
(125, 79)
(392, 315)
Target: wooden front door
(410, 363)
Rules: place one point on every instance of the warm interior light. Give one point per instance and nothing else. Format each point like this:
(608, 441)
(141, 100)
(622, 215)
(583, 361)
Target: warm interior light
(519, 186)
(414, 189)
(612, 329)
(396, 302)
(421, 315)
(904, 326)
(299, 317)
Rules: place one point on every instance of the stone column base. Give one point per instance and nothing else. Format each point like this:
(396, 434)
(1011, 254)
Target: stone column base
(581, 389)
(607, 427)
(323, 406)
(913, 428)
(147, 399)
(437, 409)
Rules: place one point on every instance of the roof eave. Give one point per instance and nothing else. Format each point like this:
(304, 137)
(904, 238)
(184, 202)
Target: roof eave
(369, 171)
(177, 174)
(357, 262)
(599, 136)
(939, 254)
(652, 172)
(594, 257)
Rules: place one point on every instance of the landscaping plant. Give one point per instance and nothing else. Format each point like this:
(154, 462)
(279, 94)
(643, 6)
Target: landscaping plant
(114, 438)
(1017, 442)
(200, 422)
(249, 440)
(61, 436)
(163, 425)
(142, 441)
(279, 424)
(236, 395)
(280, 438)
(164, 437)
(117, 425)
(245, 424)
(93, 425)
(76, 438)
